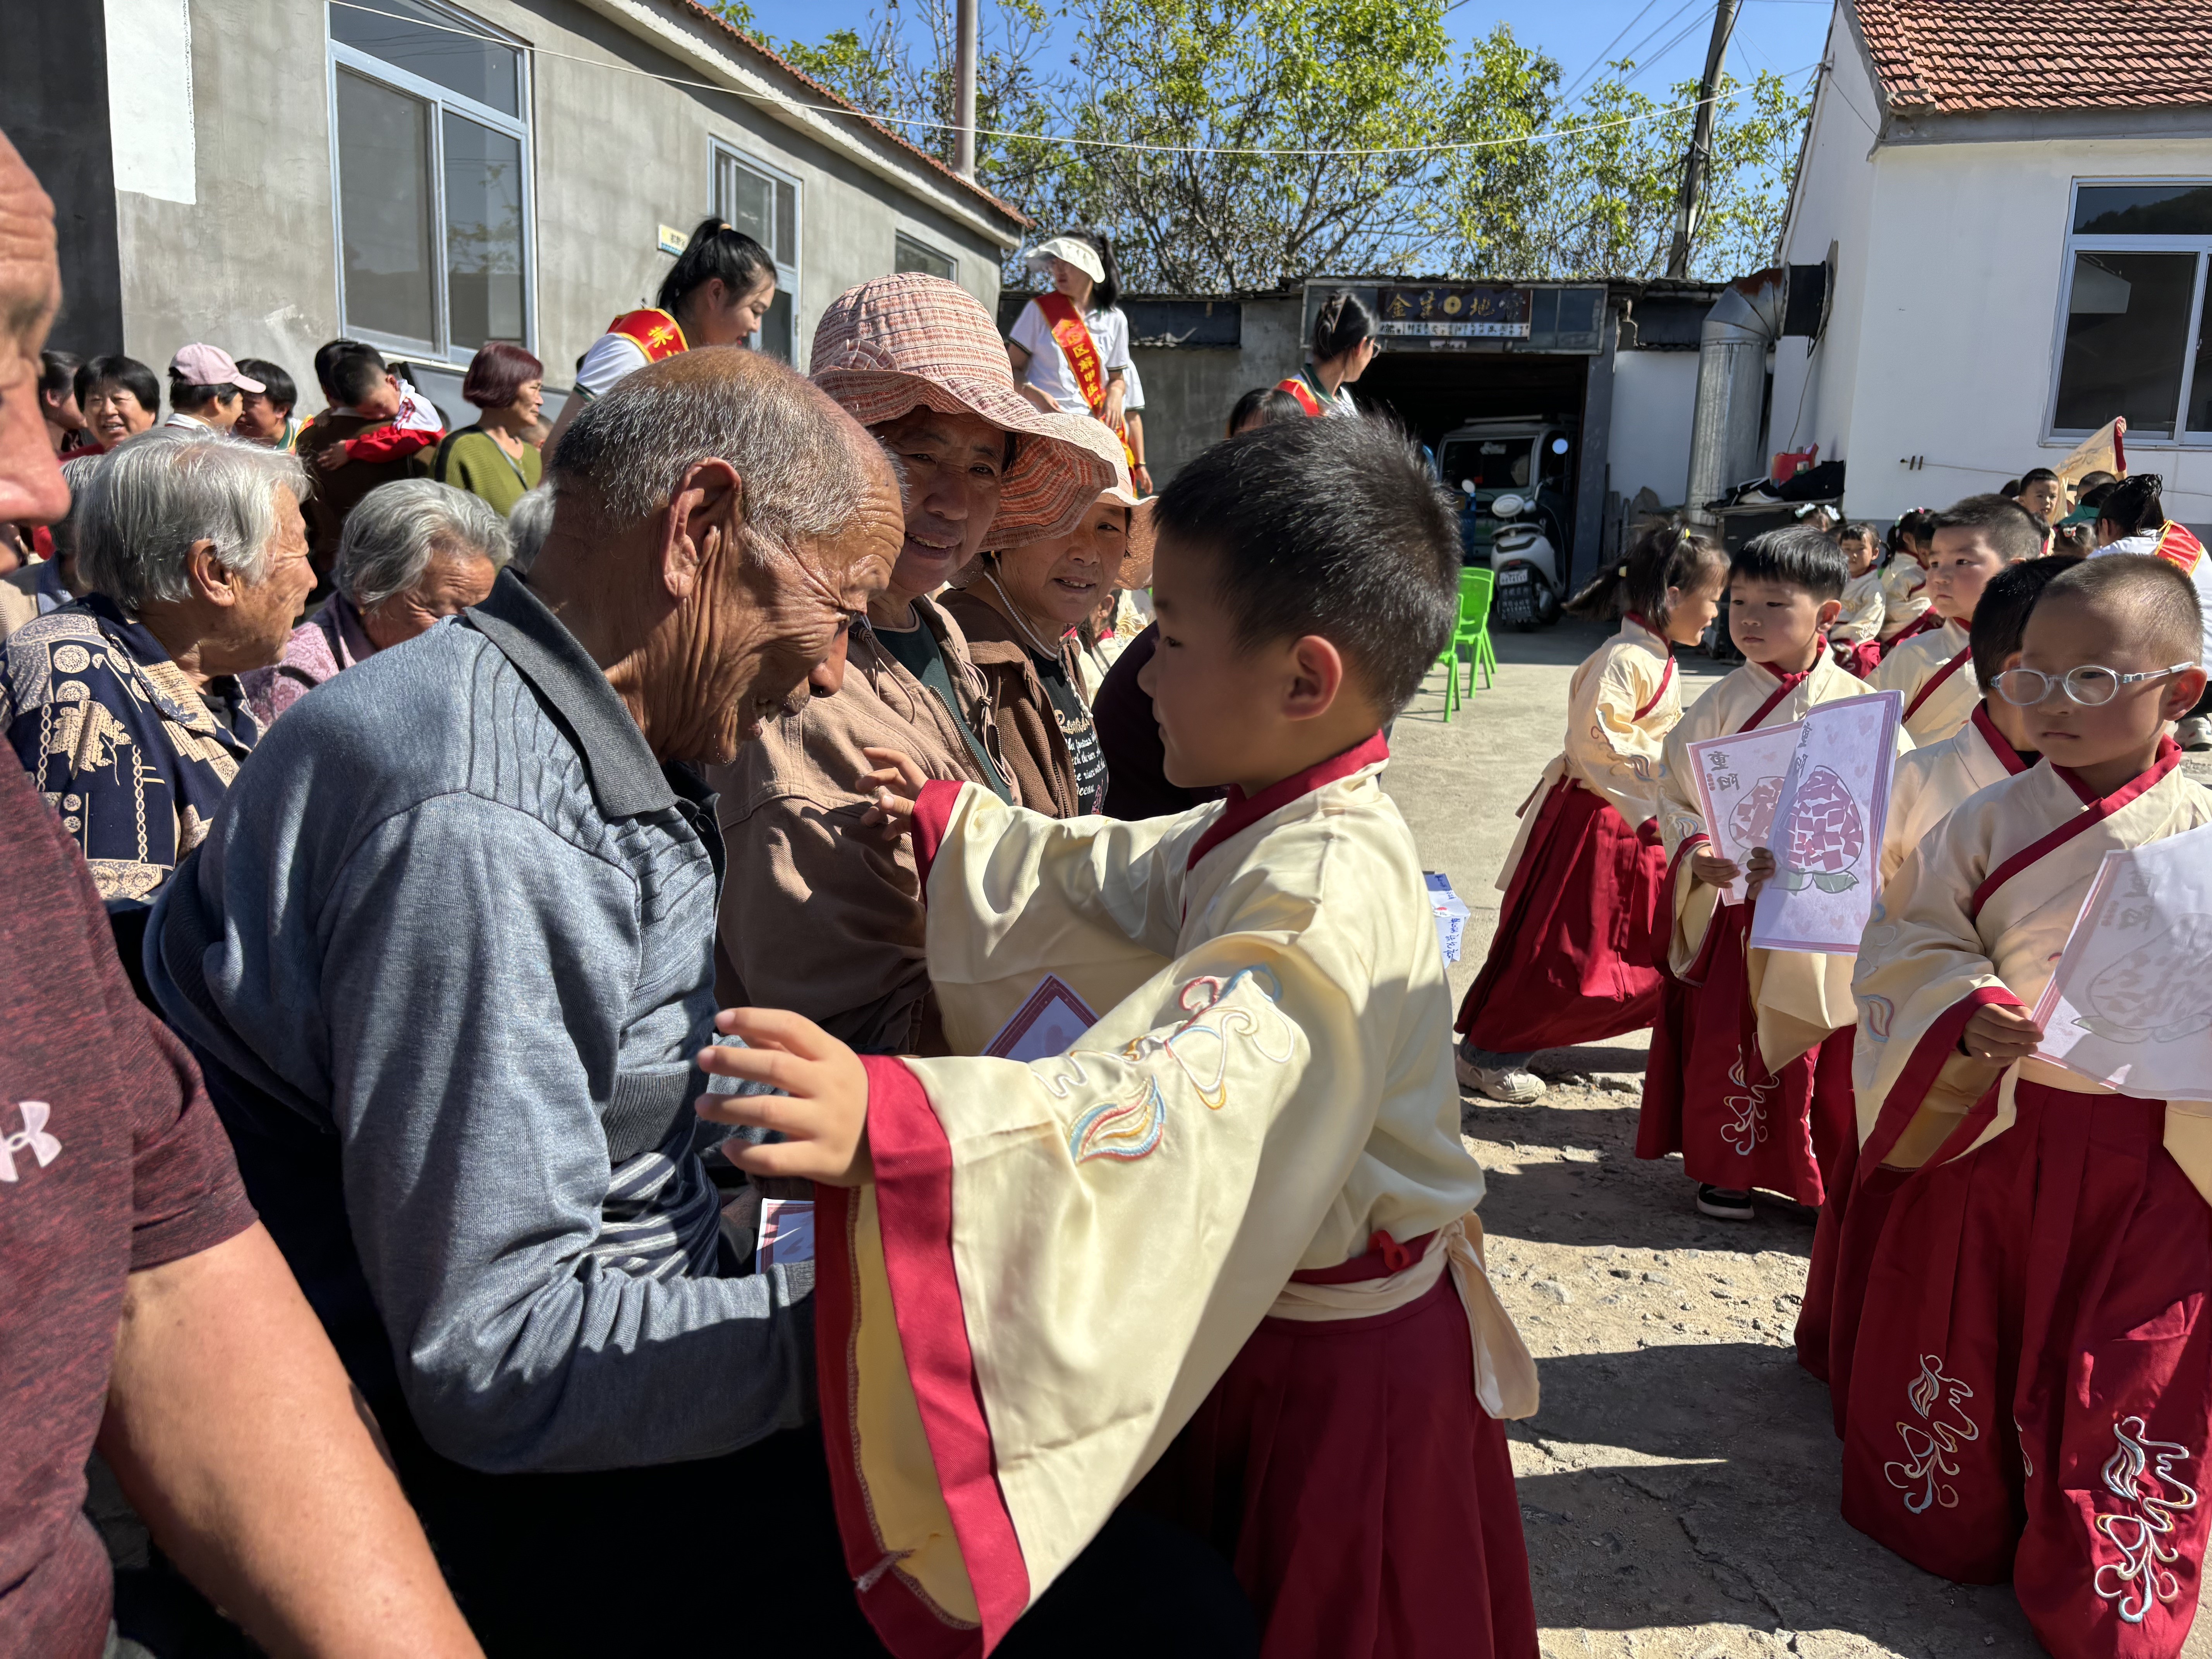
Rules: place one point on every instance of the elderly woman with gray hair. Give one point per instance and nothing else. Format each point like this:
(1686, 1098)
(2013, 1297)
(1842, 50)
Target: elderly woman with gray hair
(413, 554)
(124, 706)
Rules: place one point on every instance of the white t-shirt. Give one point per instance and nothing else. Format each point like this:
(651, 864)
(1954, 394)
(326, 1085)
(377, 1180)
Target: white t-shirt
(2146, 542)
(1049, 371)
(611, 357)
(1132, 390)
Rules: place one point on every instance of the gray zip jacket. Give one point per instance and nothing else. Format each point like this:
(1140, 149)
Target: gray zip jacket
(456, 919)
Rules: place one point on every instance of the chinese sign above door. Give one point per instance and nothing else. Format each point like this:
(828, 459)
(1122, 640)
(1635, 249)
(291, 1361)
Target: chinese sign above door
(1457, 311)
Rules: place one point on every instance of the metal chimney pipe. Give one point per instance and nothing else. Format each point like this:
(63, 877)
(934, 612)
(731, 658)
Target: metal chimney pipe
(963, 80)
(1724, 433)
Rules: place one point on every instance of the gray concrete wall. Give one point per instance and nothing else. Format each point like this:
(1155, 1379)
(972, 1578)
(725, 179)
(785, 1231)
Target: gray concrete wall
(251, 263)
(1188, 393)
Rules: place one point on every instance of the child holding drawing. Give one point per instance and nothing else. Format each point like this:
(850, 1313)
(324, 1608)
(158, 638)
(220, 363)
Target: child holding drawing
(1572, 960)
(1750, 1072)
(2031, 1385)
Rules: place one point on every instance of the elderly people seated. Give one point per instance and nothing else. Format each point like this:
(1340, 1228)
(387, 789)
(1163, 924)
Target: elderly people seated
(817, 916)
(124, 706)
(412, 554)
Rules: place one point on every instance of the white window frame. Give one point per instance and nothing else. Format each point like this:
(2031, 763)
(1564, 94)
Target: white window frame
(338, 54)
(930, 248)
(787, 275)
(2057, 437)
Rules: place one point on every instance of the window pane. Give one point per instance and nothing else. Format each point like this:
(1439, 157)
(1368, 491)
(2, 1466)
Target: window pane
(384, 209)
(910, 255)
(775, 327)
(745, 201)
(2200, 388)
(435, 45)
(2144, 209)
(483, 233)
(786, 245)
(2125, 326)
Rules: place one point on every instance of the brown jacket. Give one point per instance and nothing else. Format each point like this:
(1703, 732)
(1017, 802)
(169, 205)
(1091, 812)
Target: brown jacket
(337, 493)
(1044, 773)
(818, 915)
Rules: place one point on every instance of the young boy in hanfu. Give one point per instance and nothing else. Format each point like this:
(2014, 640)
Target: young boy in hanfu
(1228, 1239)
(2031, 1390)
(1749, 1077)
(1972, 541)
(1926, 786)
(1572, 960)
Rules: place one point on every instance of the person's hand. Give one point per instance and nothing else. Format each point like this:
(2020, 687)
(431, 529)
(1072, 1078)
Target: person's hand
(823, 1113)
(1758, 871)
(1712, 870)
(892, 789)
(332, 456)
(1141, 476)
(1041, 399)
(2002, 1033)
(1113, 415)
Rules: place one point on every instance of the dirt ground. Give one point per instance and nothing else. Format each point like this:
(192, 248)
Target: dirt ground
(1679, 1485)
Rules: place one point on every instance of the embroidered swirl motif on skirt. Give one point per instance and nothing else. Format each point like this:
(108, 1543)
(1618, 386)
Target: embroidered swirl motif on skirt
(1931, 1446)
(1127, 1129)
(2141, 1475)
(1749, 1127)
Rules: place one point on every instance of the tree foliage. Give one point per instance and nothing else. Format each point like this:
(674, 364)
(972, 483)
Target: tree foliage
(1489, 172)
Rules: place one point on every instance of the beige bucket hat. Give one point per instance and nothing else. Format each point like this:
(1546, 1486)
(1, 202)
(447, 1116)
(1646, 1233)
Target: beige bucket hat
(906, 342)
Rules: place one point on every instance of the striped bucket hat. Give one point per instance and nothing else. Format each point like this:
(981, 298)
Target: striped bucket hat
(906, 342)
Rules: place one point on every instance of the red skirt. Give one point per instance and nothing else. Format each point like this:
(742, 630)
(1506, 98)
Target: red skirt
(1571, 959)
(1707, 1093)
(2031, 1393)
(1346, 1470)
(1836, 1279)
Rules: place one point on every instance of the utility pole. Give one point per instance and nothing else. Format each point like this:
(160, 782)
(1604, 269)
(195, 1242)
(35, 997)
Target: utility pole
(1690, 206)
(963, 94)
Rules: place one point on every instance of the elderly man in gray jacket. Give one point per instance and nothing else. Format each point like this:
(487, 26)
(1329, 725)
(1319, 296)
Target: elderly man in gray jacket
(447, 956)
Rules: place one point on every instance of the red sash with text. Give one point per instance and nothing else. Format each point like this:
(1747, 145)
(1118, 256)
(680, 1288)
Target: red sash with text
(2178, 545)
(657, 333)
(1072, 335)
(1297, 388)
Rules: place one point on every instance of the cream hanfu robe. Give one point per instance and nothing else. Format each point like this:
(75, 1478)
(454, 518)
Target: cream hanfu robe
(1747, 1079)
(1057, 1260)
(1572, 958)
(1936, 672)
(1930, 782)
(1904, 594)
(1863, 610)
(2033, 1339)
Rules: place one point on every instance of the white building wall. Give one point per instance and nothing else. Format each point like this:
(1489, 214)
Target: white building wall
(1961, 324)
(1655, 394)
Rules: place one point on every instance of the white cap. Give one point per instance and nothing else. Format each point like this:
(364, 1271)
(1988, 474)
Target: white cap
(1071, 249)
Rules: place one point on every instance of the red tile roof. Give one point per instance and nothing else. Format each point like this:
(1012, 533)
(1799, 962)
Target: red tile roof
(1958, 56)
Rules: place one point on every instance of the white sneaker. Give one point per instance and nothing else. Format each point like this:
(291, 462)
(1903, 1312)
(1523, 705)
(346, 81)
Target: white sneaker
(1723, 1203)
(2194, 734)
(1499, 1077)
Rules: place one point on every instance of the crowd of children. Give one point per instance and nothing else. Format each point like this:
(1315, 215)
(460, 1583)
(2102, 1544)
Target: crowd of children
(2007, 1290)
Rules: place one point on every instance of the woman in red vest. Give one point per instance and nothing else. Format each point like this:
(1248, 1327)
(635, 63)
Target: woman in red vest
(1070, 348)
(1344, 341)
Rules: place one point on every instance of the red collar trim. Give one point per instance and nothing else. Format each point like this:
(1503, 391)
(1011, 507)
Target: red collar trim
(1788, 682)
(2008, 757)
(1928, 686)
(1666, 679)
(1241, 811)
(2094, 812)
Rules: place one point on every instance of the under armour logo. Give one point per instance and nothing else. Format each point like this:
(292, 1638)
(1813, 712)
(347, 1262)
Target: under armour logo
(33, 1139)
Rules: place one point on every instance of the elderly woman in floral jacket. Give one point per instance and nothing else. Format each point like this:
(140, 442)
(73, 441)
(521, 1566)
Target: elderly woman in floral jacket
(819, 915)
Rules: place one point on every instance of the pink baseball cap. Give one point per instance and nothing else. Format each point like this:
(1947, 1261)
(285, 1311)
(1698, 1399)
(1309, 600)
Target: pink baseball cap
(207, 365)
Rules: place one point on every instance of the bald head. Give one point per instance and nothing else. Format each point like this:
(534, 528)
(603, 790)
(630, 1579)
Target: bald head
(2148, 601)
(31, 490)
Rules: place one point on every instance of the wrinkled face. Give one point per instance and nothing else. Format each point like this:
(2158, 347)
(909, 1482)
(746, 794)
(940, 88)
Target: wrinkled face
(529, 398)
(1958, 569)
(2072, 633)
(31, 488)
(1207, 691)
(113, 412)
(1775, 622)
(254, 630)
(726, 317)
(260, 420)
(773, 629)
(955, 466)
(453, 582)
(1061, 581)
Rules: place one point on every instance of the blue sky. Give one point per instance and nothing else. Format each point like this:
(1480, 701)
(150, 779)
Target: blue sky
(1776, 34)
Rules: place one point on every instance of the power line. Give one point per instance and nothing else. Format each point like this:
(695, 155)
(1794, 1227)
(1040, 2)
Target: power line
(849, 111)
(1575, 85)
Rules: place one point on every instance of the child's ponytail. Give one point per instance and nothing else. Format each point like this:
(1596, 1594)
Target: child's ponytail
(1664, 555)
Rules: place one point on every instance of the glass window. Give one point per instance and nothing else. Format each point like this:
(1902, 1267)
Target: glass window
(910, 255)
(433, 182)
(764, 204)
(2134, 340)
(2144, 210)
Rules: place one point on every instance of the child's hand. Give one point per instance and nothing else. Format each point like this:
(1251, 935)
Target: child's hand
(332, 456)
(2002, 1033)
(1758, 871)
(822, 1112)
(1712, 870)
(892, 789)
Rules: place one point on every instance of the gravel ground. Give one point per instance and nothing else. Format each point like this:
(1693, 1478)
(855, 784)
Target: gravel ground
(1679, 1486)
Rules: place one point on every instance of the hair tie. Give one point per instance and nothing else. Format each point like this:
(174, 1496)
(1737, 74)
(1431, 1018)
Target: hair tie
(1624, 570)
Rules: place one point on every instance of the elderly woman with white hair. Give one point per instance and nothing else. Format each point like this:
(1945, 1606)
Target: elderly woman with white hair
(124, 706)
(413, 554)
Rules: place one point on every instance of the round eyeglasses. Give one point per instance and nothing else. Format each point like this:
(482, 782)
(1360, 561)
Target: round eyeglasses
(2090, 685)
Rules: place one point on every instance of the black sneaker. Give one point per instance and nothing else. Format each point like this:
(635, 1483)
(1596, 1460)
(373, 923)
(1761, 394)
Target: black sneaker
(1722, 1203)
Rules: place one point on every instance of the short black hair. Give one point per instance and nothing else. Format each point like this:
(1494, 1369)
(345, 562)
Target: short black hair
(1333, 527)
(715, 250)
(357, 374)
(2037, 475)
(276, 385)
(1797, 555)
(187, 395)
(2001, 614)
(1268, 403)
(2089, 481)
(2157, 597)
(57, 375)
(133, 376)
(2014, 531)
(326, 359)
